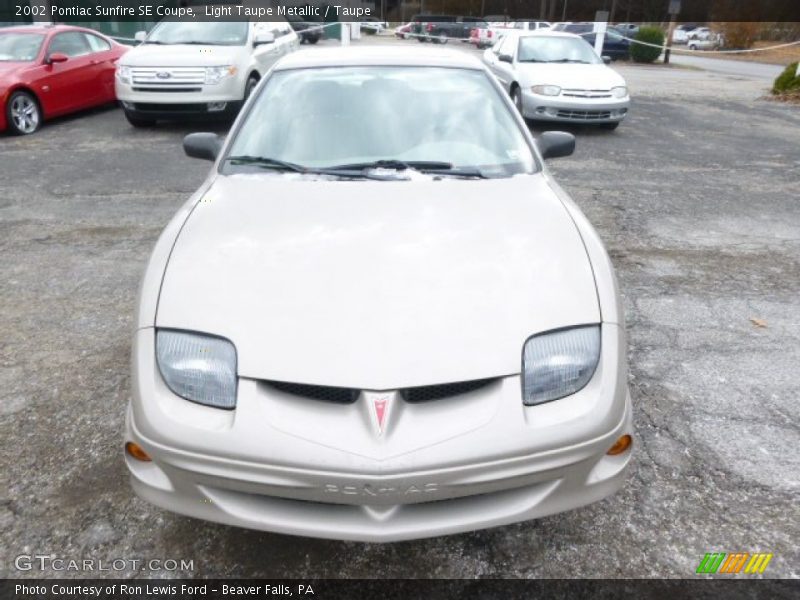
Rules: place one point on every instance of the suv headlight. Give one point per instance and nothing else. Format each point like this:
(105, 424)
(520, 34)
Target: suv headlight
(546, 90)
(216, 74)
(559, 363)
(198, 367)
(124, 74)
(619, 92)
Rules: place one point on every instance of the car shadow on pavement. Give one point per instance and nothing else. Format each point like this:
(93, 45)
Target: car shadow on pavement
(538, 127)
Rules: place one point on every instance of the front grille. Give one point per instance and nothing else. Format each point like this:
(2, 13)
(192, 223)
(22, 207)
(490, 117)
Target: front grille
(584, 115)
(168, 108)
(427, 393)
(586, 93)
(340, 395)
(337, 395)
(168, 78)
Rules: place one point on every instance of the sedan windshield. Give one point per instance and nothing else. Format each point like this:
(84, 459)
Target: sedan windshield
(215, 33)
(442, 121)
(556, 50)
(22, 47)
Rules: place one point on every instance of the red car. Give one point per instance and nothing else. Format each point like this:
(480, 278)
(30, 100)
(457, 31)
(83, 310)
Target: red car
(51, 70)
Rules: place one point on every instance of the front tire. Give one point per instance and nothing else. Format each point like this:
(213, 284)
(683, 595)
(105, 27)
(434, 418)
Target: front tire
(23, 114)
(441, 38)
(516, 97)
(138, 122)
(252, 82)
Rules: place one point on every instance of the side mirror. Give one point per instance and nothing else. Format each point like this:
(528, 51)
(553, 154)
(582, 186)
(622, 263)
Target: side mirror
(606, 59)
(57, 57)
(140, 36)
(264, 37)
(505, 58)
(555, 144)
(205, 146)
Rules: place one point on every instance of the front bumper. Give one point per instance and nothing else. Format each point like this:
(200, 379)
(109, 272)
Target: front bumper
(205, 102)
(574, 110)
(245, 469)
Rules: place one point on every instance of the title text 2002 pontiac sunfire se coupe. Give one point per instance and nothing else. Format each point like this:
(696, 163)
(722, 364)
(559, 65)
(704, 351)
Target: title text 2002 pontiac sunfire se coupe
(379, 318)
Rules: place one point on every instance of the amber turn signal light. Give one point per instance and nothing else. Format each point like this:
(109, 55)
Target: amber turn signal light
(623, 443)
(136, 451)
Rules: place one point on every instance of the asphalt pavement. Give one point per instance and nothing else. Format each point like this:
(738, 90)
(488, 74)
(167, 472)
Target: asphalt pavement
(695, 195)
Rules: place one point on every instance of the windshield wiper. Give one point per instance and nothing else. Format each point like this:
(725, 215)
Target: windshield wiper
(458, 172)
(429, 167)
(266, 162)
(568, 60)
(270, 163)
(398, 165)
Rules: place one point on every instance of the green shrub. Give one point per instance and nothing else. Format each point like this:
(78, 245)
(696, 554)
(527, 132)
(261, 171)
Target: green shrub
(647, 54)
(787, 81)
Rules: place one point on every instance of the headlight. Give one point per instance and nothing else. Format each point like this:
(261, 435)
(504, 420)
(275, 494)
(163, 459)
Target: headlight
(546, 90)
(619, 92)
(198, 367)
(559, 363)
(217, 74)
(124, 74)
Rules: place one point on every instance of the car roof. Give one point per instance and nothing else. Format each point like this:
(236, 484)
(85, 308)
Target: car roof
(42, 28)
(378, 55)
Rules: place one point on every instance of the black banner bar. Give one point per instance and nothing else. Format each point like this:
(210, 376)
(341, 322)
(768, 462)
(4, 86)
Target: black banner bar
(651, 11)
(396, 589)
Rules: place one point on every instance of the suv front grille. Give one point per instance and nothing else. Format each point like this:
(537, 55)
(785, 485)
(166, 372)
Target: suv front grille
(414, 395)
(168, 78)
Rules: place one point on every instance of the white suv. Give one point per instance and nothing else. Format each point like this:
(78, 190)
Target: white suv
(198, 69)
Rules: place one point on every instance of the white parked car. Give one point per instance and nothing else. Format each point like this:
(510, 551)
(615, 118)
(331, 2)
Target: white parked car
(713, 42)
(344, 334)
(680, 35)
(484, 37)
(698, 33)
(556, 76)
(198, 69)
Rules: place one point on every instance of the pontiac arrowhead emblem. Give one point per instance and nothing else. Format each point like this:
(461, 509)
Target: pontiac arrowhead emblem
(380, 407)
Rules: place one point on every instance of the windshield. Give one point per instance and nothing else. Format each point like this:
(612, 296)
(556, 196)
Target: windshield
(215, 33)
(556, 49)
(328, 117)
(20, 46)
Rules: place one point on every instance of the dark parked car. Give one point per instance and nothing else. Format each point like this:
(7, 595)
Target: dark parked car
(439, 29)
(615, 45)
(308, 31)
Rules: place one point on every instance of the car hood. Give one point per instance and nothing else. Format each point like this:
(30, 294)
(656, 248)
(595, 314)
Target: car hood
(377, 285)
(181, 55)
(8, 68)
(570, 76)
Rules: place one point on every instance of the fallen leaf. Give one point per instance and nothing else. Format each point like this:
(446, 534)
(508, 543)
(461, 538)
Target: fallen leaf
(758, 322)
